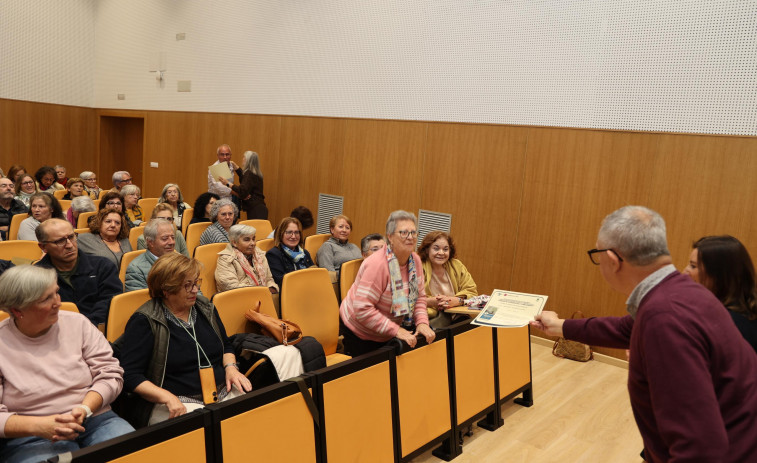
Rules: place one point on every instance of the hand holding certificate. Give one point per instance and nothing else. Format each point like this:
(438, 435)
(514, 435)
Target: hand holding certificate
(508, 309)
(220, 170)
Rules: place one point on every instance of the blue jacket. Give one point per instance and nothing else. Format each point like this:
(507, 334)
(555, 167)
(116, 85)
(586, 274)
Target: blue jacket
(95, 282)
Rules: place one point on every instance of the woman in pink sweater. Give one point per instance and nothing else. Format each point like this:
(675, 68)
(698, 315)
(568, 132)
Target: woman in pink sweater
(57, 374)
(387, 298)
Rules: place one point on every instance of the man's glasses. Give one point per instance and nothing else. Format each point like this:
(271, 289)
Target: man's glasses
(595, 260)
(126, 180)
(62, 242)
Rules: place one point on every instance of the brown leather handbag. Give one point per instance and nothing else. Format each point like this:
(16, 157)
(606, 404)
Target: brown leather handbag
(284, 331)
(572, 350)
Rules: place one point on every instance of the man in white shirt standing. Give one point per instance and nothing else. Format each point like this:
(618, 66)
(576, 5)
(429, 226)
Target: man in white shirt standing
(214, 186)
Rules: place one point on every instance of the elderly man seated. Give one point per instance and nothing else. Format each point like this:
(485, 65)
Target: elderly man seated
(90, 282)
(160, 239)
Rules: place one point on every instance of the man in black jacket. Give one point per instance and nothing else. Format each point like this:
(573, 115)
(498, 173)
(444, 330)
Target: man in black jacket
(8, 206)
(90, 282)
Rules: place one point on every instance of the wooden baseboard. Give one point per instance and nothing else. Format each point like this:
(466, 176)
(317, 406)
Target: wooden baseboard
(598, 357)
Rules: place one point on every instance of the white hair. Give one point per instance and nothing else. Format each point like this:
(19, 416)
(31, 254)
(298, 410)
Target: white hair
(636, 233)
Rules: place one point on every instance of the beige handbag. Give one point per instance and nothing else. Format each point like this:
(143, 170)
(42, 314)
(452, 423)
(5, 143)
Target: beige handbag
(573, 350)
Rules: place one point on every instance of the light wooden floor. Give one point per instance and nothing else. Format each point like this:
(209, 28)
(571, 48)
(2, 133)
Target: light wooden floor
(581, 413)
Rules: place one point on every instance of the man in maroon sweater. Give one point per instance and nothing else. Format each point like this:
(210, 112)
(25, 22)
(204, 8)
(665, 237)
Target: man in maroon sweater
(692, 377)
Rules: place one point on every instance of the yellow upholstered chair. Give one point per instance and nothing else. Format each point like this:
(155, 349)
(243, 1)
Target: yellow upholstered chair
(264, 245)
(208, 255)
(347, 274)
(122, 306)
(233, 304)
(15, 223)
(185, 219)
(82, 230)
(313, 244)
(134, 235)
(69, 306)
(194, 232)
(20, 251)
(126, 260)
(263, 228)
(103, 192)
(147, 205)
(308, 299)
(83, 220)
(59, 194)
(65, 204)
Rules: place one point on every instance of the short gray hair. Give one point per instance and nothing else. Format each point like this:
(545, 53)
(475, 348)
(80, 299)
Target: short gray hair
(117, 176)
(86, 175)
(162, 197)
(219, 204)
(366, 241)
(637, 233)
(152, 228)
(399, 216)
(238, 231)
(83, 204)
(22, 285)
(130, 189)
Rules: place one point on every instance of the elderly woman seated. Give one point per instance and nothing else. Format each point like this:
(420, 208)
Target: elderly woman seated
(78, 205)
(165, 212)
(171, 195)
(75, 187)
(202, 208)
(174, 351)
(723, 265)
(338, 250)
(90, 184)
(287, 255)
(130, 197)
(448, 283)
(371, 243)
(222, 214)
(242, 264)
(57, 375)
(109, 236)
(387, 298)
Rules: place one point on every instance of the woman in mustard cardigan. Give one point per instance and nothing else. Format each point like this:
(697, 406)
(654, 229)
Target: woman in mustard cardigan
(448, 282)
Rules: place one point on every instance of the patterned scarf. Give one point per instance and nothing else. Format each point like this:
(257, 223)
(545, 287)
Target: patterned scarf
(250, 269)
(297, 256)
(403, 298)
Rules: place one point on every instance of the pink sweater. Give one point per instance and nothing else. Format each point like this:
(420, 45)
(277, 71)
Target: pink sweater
(366, 310)
(50, 374)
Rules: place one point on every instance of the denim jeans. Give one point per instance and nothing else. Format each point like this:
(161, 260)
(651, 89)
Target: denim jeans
(34, 449)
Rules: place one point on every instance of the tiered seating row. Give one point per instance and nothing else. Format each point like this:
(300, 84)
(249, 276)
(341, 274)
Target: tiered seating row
(389, 405)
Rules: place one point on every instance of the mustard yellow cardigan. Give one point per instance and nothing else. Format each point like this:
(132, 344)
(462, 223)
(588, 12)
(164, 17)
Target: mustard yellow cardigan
(459, 276)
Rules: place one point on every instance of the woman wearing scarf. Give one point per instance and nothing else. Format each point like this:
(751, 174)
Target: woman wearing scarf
(288, 255)
(387, 298)
(242, 264)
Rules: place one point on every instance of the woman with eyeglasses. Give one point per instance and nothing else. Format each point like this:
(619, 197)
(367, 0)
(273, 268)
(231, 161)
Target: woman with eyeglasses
(109, 236)
(164, 211)
(58, 375)
(447, 281)
(171, 195)
(46, 183)
(287, 254)
(90, 184)
(111, 200)
(130, 197)
(723, 265)
(387, 299)
(25, 188)
(174, 351)
(42, 206)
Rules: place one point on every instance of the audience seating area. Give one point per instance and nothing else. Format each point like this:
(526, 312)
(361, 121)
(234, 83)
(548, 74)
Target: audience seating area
(420, 399)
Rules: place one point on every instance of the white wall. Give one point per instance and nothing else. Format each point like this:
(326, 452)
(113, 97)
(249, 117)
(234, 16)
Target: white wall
(47, 51)
(685, 66)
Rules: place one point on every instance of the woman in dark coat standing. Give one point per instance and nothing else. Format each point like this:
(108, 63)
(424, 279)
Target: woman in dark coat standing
(250, 188)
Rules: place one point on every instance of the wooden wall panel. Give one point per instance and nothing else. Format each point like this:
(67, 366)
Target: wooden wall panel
(311, 162)
(475, 173)
(573, 179)
(184, 145)
(705, 185)
(37, 134)
(383, 172)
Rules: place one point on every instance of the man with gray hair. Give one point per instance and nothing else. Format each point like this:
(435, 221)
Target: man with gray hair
(120, 180)
(160, 239)
(691, 376)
